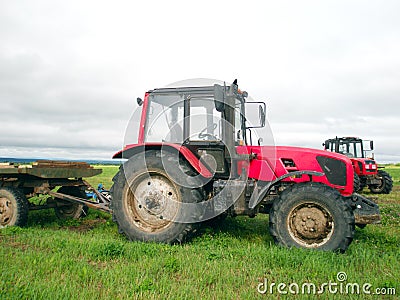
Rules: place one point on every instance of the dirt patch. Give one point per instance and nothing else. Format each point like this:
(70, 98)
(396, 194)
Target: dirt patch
(85, 225)
(11, 241)
(97, 264)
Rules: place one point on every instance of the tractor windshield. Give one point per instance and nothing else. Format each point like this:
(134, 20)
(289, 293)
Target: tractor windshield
(176, 117)
(351, 148)
(164, 119)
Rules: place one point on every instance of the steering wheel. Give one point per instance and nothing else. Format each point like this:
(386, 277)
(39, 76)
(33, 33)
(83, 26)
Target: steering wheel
(210, 136)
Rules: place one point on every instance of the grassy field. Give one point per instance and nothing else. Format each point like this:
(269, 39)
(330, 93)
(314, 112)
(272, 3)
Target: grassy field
(88, 259)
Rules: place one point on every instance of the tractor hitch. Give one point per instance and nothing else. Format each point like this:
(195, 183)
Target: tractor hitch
(365, 210)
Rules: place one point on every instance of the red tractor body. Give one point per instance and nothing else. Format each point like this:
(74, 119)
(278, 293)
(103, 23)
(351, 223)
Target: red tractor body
(263, 168)
(195, 162)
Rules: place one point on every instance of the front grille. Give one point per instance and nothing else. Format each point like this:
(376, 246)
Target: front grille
(334, 169)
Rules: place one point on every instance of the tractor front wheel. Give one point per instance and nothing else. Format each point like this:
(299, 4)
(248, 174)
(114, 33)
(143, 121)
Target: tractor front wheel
(357, 183)
(312, 215)
(386, 185)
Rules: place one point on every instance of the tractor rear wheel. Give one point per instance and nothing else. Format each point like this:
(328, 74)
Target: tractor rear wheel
(13, 207)
(149, 205)
(70, 210)
(312, 215)
(386, 185)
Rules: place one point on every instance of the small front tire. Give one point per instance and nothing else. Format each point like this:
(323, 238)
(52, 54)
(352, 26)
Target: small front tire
(312, 215)
(357, 183)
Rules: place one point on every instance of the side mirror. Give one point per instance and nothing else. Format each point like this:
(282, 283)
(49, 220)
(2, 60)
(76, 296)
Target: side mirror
(139, 101)
(219, 97)
(371, 145)
(252, 109)
(261, 114)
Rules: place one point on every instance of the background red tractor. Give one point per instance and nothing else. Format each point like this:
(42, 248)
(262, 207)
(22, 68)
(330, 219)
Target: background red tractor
(195, 161)
(366, 170)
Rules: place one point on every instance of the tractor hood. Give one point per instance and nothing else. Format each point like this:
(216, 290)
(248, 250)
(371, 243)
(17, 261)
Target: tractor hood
(272, 162)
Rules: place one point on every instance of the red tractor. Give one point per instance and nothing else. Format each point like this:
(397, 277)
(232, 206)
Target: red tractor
(366, 170)
(195, 162)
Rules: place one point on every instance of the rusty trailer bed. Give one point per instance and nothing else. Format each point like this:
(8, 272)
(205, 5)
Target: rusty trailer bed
(49, 169)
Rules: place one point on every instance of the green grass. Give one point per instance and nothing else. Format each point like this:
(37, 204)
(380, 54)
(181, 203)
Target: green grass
(88, 259)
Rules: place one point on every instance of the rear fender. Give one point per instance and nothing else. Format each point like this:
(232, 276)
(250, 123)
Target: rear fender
(194, 161)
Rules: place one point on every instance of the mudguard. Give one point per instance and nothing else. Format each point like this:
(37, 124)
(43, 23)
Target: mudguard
(365, 210)
(130, 150)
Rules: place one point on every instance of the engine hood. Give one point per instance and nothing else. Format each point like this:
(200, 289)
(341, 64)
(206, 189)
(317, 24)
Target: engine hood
(281, 160)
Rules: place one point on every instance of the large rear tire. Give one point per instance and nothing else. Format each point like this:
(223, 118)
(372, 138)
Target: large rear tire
(312, 215)
(148, 204)
(13, 207)
(386, 185)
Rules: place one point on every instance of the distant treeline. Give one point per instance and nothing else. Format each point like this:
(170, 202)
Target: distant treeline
(30, 160)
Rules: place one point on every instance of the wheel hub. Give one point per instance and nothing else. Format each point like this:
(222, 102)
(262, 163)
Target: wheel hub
(6, 211)
(153, 202)
(310, 225)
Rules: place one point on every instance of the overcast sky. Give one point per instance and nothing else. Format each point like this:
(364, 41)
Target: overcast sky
(70, 71)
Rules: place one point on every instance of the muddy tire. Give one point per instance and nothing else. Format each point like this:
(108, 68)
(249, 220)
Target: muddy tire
(312, 215)
(216, 221)
(386, 184)
(149, 205)
(66, 210)
(363, 183)
(13, 207)
(357, 183)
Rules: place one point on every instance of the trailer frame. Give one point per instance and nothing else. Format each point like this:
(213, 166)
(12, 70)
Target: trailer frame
(20, 183)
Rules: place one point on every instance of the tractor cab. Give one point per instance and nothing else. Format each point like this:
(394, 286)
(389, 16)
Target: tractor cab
(350, 146)
(209, 121)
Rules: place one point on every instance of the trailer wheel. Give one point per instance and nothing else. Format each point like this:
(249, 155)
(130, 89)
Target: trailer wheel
(312, 215)
(147, 202)
(386, 185)
(13, 207)
(68, 210)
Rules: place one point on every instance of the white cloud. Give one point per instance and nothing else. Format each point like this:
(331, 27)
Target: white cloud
(70, 71)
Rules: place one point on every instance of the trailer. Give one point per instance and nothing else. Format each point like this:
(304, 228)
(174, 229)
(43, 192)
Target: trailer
(61, 181)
